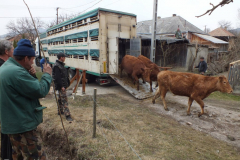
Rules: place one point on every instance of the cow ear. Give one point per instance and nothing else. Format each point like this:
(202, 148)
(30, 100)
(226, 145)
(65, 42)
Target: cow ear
(221, 78)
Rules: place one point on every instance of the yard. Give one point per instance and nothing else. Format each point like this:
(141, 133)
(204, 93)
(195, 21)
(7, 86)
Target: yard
(152, 132)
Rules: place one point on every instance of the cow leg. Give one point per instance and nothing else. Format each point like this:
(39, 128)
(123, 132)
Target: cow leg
(135, 79)
(156, 85)
(151, 90)
(163, 94)
(190, 100)
(200, 102)
(157, 94)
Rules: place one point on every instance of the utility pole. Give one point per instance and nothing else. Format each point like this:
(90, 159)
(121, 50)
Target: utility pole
(154, 24)
(57, 14)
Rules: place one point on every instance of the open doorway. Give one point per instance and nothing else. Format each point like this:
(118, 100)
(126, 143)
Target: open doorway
(124, 49)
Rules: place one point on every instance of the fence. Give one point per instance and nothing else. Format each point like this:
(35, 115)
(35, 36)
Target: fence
(234, 76)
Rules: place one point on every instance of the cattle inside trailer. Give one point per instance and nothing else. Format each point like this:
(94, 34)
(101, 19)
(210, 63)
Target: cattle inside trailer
(95, 41)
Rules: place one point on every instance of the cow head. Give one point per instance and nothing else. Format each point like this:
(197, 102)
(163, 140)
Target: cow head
(223, 85)
(146, 74)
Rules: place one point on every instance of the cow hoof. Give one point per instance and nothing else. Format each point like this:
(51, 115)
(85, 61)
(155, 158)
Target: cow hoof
(151, 90)
(166, 109)
(189, 114)
(153, 101)
(199, 114)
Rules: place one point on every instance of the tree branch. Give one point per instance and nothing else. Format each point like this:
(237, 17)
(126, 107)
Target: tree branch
(214, 7)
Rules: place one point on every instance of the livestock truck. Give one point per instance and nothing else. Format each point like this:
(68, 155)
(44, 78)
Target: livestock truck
(95, 41)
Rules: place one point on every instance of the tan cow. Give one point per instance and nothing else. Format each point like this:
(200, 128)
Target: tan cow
(135, 68)
(154, 69)
(196, 87)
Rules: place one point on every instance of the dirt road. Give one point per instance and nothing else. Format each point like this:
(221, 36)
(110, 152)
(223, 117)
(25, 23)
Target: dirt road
(218, 121)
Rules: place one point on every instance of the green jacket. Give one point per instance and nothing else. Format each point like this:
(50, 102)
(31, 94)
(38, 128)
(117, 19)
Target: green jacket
(20, 110)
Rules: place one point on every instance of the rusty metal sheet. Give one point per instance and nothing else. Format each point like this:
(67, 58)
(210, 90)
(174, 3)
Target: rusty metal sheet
(127, 83)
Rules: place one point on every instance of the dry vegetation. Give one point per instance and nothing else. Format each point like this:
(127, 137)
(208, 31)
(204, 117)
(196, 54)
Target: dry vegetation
(152, 135)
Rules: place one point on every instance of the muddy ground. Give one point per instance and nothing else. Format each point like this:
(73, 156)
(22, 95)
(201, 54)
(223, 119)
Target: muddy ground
(221, 119)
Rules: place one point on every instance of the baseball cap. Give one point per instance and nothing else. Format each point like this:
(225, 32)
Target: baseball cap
(59, 55)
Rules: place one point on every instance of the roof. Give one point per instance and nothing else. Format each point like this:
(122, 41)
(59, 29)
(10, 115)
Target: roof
(87, 15)
(168, 25)
(211, 39)
(162, 38)
(220, 32)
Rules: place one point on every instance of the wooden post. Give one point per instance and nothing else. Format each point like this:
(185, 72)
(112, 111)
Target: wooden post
(94, 112)
(83, 81)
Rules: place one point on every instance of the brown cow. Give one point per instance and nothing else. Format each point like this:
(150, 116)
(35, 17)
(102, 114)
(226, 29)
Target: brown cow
(154, 69)
(196, 87)
(135, 68)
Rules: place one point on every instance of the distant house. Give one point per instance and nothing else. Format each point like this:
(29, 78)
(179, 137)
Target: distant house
(190, 36)
(222, 34)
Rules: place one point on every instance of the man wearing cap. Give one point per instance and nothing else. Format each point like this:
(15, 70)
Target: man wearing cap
(6, 51)
(61, 81)
(20, 92)
(202, 66)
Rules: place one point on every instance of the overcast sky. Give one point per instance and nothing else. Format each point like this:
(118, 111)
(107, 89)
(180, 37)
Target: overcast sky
(188, 9)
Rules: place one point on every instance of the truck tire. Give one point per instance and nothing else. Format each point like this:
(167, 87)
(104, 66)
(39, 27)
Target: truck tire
(37, 61)
(71, 73)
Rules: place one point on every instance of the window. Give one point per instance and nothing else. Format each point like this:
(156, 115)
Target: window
(79, 23)
(80, 39)
(93, 18)
(74, 25)
(86, 57)
(94, 38)
(95, 58)
(67, 41)
(85, 39)
(74, 41)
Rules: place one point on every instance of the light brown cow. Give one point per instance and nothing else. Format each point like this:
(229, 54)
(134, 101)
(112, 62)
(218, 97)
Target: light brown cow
(196, 87)
(154, 69)
(135, 68)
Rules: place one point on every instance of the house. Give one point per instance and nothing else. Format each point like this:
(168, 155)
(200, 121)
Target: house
(222, 33)
(190, 37)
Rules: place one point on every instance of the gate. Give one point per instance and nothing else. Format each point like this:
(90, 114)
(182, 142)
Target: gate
(234, 76)
(135, 47)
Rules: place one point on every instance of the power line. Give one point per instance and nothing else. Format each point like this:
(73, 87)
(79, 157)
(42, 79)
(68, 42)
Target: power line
(91, 6)
(81, 5)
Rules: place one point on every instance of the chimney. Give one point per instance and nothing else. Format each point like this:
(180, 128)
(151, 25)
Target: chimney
(159, 17)
(174, 15)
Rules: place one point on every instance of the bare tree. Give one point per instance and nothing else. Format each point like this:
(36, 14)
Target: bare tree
(24, 26)
(166, 50)
(222, 3)
(225, 24)
(197, 49)
(61, 18)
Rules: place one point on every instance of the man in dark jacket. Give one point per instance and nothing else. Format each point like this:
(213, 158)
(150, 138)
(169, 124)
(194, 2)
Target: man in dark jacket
(61, 81)
(202, 66)
(6, 51)
(20, 91)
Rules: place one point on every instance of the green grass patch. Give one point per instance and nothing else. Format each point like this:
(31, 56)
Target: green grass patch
(224, 96)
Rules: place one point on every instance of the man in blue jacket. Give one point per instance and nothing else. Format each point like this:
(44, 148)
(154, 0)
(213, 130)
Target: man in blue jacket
(20, 91)
(202, 66)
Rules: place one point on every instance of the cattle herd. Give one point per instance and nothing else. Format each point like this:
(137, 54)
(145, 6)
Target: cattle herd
(195, 86)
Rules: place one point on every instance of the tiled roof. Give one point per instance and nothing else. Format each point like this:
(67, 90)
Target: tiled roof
(220, 32)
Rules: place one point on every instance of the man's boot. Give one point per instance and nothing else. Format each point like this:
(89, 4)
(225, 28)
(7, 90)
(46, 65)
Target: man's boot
(69, 118)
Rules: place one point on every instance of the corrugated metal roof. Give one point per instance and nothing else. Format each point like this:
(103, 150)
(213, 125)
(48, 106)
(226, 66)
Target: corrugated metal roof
(221, 32)
(162, 38)
(168, 25)
(211, 39)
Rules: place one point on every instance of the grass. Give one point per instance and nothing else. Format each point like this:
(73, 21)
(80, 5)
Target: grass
(153, 136)
(224, 96)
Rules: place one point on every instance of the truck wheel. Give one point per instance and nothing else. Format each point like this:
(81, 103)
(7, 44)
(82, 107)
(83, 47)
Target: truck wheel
(37, 61)
(71, 73)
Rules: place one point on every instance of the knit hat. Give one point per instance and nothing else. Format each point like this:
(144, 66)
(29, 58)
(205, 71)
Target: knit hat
(24, 48)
